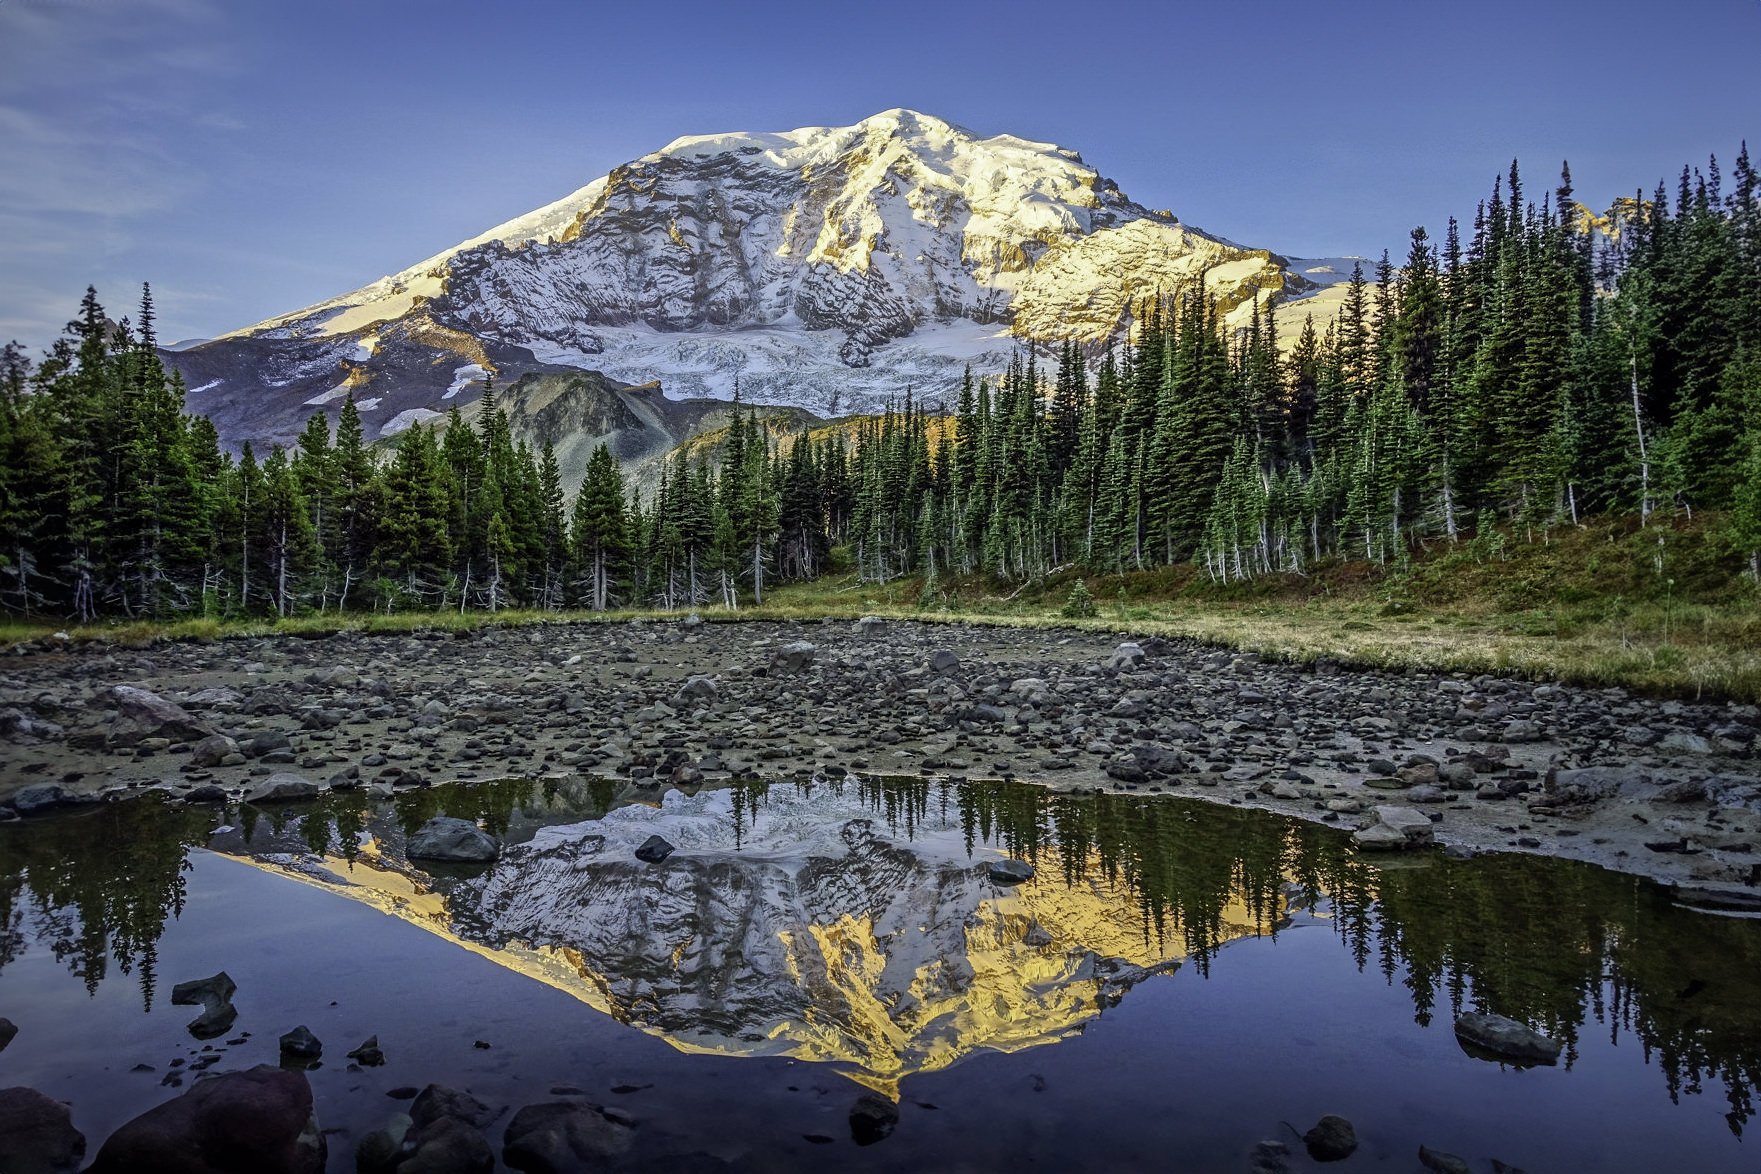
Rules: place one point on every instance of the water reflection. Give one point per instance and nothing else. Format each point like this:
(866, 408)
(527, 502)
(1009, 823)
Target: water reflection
(781, 927)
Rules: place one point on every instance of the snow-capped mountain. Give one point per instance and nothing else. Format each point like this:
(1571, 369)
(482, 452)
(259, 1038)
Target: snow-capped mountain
(827, 267)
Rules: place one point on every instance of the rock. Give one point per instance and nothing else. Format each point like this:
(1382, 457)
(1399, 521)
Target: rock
(1683, 743)
(872, 1118)
(282, 787)
(1331, 1140)
(8, 1032)
(654, 849)
(1521, 730)
(564, 1136)
(37, 1134)
(300, 1044)
(264, 742)
(1504, 1039)
(379, 1151)
(158, 717)
(368, 1055)
(445, 1146)
(215, 750)
(438, 1101)
(871, 627)
(943, 661)
(40, 797)
(1597, 782)
(214, 996)
(254, 1122)
(1009, 872)
(700, 689)
(1441, 1162)
(795, 658)
(1126, 656)
(1394, 829)
(1269, 1157)
(454, 840)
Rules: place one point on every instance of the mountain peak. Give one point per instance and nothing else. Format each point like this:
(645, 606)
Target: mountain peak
(822, 267)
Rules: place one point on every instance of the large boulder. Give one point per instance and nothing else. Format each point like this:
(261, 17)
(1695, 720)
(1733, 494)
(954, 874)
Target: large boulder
(564, 1136)
(1127, 656)
(1506, 1040)
(254, 1122)
(455, 840)
(872, 1118)
(157, 717)
(37, 1134)
(216, 750)
(1394, 829)
(282, 787)
(797, 657)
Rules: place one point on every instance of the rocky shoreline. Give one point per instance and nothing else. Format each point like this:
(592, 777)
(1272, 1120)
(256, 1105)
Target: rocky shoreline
(1667, 789)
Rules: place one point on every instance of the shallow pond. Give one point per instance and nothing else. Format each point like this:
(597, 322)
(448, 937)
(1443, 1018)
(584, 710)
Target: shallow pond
(1178, 982)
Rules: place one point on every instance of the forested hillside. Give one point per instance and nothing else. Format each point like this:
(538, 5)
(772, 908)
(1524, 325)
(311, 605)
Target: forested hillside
(1542, 367)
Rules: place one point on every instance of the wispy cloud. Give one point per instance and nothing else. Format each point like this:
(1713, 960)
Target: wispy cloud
(96, 99)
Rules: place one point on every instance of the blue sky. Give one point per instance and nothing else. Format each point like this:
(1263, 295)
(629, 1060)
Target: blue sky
(253, 156)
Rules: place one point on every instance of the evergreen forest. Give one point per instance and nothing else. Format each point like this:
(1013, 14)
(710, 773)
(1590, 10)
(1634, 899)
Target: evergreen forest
(1534, 368)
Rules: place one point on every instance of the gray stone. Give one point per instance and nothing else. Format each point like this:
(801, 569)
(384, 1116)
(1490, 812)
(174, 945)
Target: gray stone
(871, 627)
(214, 750)
(438, 1102)
(452, 840)
(1395, 829)
(796, 657)
(40, 797)
(8, 1033)
(1126, 656)
(1009, 872)
(37, 1134)
(1332, 1139)
(1598, 782)
(158, 717)
(944, 661)
(282, 787)
(564, 1136)
(1505, 1039)
(700, 689)
(369, 1054)
(214, 996)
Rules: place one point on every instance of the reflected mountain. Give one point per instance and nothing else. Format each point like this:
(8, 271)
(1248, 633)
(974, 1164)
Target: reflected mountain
(853, 922)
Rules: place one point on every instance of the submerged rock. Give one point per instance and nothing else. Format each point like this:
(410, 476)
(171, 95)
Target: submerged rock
(214, 996)
(37, 1134)
(1332, 1139)
(456, 840)
(564, 1136)
(1505, 1039)
(8, 1031)
(1442, 1163)
(254, 1122)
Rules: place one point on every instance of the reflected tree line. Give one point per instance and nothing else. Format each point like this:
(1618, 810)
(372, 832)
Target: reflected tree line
(1566, 947)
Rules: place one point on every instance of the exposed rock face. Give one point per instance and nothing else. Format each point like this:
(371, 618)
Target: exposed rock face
(826, 267)
(254, 1122)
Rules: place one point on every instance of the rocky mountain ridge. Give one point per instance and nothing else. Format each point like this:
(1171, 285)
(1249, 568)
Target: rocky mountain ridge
(827, 268)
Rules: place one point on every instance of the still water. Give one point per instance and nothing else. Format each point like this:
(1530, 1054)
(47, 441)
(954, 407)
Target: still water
(1178, 982)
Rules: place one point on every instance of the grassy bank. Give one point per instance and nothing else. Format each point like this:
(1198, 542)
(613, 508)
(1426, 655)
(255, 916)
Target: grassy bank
(1660, 610)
